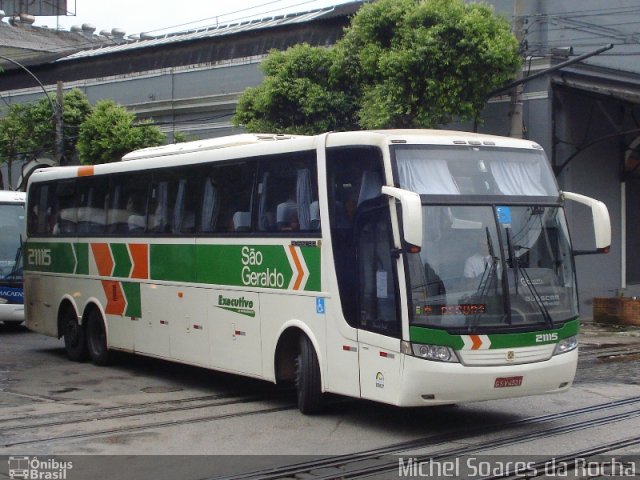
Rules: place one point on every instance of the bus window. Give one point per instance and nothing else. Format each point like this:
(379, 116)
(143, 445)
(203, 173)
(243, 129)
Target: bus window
(92, 214)
(226, 198)
(173, 202)
(183, 219)
(210, 205)
(37, 217)
(159, 206)
(288, 194)
(127, 205)
(64, 211)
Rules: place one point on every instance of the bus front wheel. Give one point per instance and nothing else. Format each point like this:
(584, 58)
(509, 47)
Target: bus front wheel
(97, 338)
(308, 380)
(74, 337)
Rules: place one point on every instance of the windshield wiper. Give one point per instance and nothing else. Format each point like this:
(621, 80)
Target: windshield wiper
(515, 264)
(13, 274)
(488, 278)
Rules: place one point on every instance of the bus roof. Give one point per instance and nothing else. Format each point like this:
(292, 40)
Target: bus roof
(251, 145)
(428, 137)
(206, 144)
(9, 196)
(439, 137)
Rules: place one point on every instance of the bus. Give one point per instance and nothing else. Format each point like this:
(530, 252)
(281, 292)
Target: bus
(410, 267)
(12, 225)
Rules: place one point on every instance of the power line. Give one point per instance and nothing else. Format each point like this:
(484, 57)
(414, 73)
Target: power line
(589, 13)
(215, 17)
(238, 19)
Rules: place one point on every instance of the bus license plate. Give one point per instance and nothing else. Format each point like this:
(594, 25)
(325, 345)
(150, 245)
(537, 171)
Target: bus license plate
(502, 382)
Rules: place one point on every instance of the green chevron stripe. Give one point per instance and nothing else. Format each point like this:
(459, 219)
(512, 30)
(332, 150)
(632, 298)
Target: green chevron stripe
(312, 259)
(123, 264)
(82, 255)
(132, 295)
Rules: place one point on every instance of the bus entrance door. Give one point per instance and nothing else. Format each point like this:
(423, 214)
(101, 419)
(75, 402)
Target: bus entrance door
(378, 317)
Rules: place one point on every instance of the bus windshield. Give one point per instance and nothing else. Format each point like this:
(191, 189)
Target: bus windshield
(488, 267)
(467, 170)
(12, 218)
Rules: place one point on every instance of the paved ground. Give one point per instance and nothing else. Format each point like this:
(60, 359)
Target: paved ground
(609, 353)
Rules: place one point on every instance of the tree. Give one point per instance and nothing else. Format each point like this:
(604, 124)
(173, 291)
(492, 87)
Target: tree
(77, 109)
(110, 132)
(27, 131)
(400, 64)
(13, 132)
(302, 93)
(41, 121)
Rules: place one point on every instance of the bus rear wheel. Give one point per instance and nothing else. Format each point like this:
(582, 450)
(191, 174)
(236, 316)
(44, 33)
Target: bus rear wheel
(308, 380)
(97, 338)
(74, 337)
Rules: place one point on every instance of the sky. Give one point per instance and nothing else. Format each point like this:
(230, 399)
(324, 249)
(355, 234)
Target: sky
(164, 16)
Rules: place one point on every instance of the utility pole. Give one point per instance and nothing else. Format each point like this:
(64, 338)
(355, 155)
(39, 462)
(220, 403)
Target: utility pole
(59, 143)
(515, 105)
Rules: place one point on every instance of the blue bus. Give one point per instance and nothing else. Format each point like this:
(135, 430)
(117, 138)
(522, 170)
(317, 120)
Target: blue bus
(12, 226)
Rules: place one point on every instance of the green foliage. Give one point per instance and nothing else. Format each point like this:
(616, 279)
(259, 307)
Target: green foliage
(28, 130)
(76, 110)
(109, 133)
(181, 137)
(302, 93)
(425, 63)
(13, 131)
(401, 64)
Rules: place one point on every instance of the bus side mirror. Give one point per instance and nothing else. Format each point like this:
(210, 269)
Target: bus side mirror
(411, 215)
(601, 222)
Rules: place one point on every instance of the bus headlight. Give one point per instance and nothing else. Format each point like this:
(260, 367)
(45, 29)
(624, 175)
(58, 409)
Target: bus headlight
(438, 353)
(566, 345)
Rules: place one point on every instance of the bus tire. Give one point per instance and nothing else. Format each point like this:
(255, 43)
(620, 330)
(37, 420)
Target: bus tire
(75, 343)
(308, 382)
(97, 338)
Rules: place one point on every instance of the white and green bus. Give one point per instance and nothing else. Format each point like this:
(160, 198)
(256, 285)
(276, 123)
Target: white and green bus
(406, 267)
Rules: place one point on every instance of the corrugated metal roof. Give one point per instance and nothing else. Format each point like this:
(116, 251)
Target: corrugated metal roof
(220, 30)
(31, 45)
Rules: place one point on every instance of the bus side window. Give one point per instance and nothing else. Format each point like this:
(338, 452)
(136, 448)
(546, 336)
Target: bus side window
(91, 209)
(36, 216)
(159, 206)
(183, 219)
(127, 200)
(288, 194)
(226, 199)
(210, 205)
(64, 210)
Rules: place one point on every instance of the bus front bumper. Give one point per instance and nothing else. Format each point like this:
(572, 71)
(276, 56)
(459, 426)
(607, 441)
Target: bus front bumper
(438, 383)
(11, 312)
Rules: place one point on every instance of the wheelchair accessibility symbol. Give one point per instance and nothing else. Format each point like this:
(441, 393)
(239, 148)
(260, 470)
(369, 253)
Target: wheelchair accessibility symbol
(320, 306)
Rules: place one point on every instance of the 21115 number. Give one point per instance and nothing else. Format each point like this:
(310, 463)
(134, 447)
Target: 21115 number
(40, 257)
